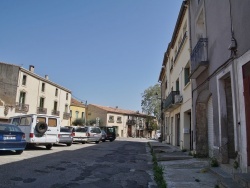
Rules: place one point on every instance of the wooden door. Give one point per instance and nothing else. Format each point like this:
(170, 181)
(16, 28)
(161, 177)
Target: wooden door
(129, 131)
(246, 82)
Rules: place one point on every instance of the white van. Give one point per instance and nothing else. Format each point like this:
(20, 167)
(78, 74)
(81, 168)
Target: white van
(39, 129)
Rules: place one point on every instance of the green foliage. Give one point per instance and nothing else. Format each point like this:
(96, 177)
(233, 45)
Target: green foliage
(151, 104)
(91, 122)
(158, 170)
(214, 162)
(79, 121)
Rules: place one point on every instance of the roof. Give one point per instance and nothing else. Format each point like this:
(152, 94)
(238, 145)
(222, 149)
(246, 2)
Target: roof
(120, 111)
(75, 102)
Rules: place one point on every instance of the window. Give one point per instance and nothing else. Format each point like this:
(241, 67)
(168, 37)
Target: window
(83, 115)
(77, 114)
(22, 97)
(111, 119)
(55, 106)
(52, 122)
(119, 119)
(24, 80)
(66, 108)
(177, 85)
(67, 96)
(41, 105)
(166, 84)
(43, 87)
(186, 75)
(56, 93)
(184, 28)
(70, 113)
(171, 64)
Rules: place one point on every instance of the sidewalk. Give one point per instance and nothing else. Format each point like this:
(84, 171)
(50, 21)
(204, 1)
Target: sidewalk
(182, 170)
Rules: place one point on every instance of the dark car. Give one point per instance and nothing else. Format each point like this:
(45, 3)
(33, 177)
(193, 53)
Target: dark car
(66, 135)
(12, 138)
(111, 133)
(104, 136)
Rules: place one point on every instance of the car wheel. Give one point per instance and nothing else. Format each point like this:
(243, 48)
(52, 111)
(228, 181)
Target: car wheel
(111, 140)
(69, 144)
(103, 140)
(41, 127)
(83, 142)
(97, 142)
(19, 152)
(49, 146)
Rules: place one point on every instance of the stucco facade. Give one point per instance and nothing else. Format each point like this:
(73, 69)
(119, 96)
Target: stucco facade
(128, 123)
(220, 79)
(30, 93)
(175, 84)
(77, 111)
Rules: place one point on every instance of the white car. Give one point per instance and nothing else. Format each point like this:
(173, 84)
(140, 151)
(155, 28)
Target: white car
(39, 129)
(157, 134)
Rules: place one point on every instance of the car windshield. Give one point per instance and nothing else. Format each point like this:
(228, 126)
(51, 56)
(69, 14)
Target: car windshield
(110, 130)
(9, 128)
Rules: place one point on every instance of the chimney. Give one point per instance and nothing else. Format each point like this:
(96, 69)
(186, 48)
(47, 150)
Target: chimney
(116, 107)
(46, 77)
(32, 68)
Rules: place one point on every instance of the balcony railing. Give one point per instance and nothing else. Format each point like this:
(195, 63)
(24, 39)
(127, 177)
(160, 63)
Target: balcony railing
(131, 122)
(180, 47)
(21, 108)
(66, 115)
(41, 110)
(169, 102)
(55, 112)
(199, 58)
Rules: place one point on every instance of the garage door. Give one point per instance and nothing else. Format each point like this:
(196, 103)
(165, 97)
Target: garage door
(210, 126)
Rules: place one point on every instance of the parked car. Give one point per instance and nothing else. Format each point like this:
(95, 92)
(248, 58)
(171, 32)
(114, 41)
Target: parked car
(39, 129)
(87, 134)
(12, 138)
(111, 133)
(66, 135)
(157, 134)
(104, 136)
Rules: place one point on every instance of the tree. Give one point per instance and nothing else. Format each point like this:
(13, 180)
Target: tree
(151, 103)
(79, 121)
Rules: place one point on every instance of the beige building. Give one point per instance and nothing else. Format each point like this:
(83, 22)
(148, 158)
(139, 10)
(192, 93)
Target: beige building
(127, 123)
(22, 91)
(77, 111)
(175, 85)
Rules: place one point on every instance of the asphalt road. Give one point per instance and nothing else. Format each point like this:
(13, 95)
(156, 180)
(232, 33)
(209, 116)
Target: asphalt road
(118, 164)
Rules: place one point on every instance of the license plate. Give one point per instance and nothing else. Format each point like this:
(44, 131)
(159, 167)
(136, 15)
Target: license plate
(9, 138)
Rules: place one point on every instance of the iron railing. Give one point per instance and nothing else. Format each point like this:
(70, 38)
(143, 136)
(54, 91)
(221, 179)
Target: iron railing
(170, 99)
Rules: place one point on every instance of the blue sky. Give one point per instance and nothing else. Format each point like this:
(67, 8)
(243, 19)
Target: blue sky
(105, 51)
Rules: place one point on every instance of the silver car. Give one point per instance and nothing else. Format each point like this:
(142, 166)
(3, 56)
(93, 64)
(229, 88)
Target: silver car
(87, 134)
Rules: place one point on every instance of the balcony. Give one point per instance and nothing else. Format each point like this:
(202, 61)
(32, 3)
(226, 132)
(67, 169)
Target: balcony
(21, 108)
(199, 59)
(66, 115)
(131, 122)
(55, 112)
(41, 110)
(173, 101)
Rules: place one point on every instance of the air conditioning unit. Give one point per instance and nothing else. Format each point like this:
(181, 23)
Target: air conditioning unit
(177, 99)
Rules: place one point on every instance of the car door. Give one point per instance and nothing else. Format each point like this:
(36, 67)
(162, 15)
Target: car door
(53, 130)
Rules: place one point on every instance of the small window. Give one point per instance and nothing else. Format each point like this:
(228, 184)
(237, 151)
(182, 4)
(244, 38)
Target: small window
(67, 96)
(55, 105)
(77, 114)
(52, 122)
(70, 113)
(83, 115)
(24, 80)
(43, 87)
(177, 85)
(56, 92)
(111, 119)
(16, 121)
(41, 105)
(22, 97)
(41, 119)
(26, 121)
(66, 108)
(186, 76)
(119, 119)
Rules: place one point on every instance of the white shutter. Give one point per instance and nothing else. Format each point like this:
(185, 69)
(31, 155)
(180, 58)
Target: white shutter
(210, 126)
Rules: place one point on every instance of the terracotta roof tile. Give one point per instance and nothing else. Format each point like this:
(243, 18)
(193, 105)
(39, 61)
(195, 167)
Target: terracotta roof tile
(75, 102)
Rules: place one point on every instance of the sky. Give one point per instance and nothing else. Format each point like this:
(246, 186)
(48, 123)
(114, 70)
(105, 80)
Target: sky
(106, 52)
